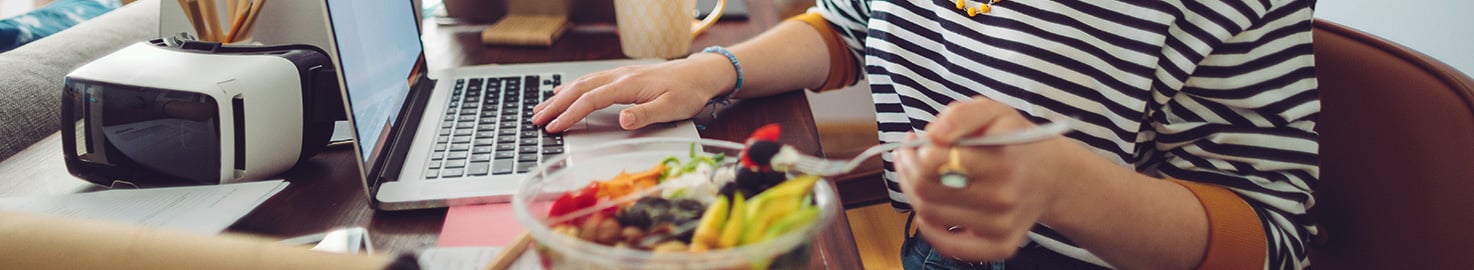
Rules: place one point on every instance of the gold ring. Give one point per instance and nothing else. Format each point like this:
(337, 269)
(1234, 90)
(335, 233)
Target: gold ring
(952, 174)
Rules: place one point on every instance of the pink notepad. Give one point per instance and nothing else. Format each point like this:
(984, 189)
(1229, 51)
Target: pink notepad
(479, 225)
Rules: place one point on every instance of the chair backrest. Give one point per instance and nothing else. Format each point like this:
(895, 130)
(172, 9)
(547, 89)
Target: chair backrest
(1397, 156)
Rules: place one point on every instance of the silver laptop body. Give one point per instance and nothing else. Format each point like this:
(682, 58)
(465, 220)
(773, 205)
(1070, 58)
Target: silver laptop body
(420, 143)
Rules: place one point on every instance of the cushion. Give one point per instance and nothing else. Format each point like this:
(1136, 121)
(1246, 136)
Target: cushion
(49, 20)
(31, 75)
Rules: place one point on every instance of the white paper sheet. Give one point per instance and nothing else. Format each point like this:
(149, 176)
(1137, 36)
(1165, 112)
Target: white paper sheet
(201, 209)
(471, 258)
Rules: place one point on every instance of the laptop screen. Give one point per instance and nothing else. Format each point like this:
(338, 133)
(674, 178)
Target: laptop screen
(379, 52)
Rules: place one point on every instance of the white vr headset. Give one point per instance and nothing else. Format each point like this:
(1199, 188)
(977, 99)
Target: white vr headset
(169, 112)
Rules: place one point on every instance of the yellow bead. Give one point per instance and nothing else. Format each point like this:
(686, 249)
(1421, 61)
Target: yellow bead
(972, 11)
(984, 9)
(961, 4)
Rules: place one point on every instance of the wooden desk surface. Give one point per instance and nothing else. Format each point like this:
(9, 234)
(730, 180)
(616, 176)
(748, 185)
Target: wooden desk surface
(325, 194)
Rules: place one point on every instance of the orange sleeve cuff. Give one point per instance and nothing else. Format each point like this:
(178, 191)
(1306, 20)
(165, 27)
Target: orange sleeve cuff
(1235, 234)
(842, 66)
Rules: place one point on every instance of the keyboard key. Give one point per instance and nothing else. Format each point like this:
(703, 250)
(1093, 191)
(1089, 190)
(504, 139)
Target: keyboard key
(505, 154)
(444, 131)
(486, 127)
(464, 132)
(507, 132)
(502, 166)
(506, 139)
(530, 134)
(481, 149)
(465, 125)
(478, 168)
(437, 156)
(528, 149)
(454, 172)
(450, 117)
(434, 165)
(490, 111)
(460, 147)
(440, 147)
(552, 140)
(461, 139)
(488, 120)
(458, 155)
(509, 118)
(481, 157)
(524, 167)
(506, 147)
(468, 111)
(470, 104)
(432, 174)
(509, 125)
(455, 163)
(552, 150)
(527, 158)
(442, 139)
(447, 124)
(483, 142)
(485, 134)
(528, 141)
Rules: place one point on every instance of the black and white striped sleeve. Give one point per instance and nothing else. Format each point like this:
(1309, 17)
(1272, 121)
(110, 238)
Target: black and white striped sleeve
(1242, 116)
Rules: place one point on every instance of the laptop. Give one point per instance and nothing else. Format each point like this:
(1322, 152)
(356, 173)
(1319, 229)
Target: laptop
(465, 138)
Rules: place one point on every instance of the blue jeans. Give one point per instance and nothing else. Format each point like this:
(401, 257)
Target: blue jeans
(917, 254)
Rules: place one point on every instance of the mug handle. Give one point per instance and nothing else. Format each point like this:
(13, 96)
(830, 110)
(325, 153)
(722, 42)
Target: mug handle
(716, 13)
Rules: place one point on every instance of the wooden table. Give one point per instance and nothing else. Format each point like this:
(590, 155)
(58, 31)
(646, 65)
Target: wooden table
(324, 192)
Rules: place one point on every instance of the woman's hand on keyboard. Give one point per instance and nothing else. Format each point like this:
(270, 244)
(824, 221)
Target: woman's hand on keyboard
(662, 92)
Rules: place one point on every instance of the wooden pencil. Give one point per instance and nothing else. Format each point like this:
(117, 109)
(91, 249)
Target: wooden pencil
(192, 12)
(510, 253)
(249, 23)
(237, 21)
(212, 19)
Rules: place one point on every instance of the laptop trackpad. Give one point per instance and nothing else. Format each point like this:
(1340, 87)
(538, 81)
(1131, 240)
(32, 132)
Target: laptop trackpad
(606, 119)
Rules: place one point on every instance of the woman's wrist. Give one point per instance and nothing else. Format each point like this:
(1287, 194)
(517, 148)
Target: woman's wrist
(713, 72)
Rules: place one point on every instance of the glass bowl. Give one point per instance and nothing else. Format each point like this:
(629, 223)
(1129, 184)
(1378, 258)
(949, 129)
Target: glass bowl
(579, 167)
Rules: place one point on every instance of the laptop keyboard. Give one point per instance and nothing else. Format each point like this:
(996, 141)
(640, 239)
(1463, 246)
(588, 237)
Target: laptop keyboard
(488, 130)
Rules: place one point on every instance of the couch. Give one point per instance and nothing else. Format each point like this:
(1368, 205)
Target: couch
(31, 75)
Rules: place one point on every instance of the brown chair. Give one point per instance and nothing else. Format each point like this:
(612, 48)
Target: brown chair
(1397, 156)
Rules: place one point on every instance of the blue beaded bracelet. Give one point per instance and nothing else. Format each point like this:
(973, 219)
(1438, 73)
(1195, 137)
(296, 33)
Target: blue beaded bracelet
(725, 100)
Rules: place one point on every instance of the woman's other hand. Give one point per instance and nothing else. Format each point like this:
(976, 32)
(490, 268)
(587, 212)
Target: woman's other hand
(1010, 187)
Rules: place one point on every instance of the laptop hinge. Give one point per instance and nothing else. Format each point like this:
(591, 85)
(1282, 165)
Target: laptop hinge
(403, 134)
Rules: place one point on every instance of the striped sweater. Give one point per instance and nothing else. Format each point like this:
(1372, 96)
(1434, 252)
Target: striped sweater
(1221, 93)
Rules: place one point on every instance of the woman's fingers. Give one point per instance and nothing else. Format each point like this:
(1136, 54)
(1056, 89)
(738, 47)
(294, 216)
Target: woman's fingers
(598, 98)
(565, 95)
(968, 118)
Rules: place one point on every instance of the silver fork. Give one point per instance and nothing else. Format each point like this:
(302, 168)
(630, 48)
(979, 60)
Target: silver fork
(825, 167)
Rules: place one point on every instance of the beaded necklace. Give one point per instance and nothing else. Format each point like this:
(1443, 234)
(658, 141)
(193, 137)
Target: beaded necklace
(983, 7)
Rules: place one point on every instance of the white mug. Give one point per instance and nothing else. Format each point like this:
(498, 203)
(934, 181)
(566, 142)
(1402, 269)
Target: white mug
(660, 28)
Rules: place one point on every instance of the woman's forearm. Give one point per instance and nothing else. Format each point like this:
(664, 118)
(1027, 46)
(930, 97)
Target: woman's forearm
(1131, 220)
(788, 57)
